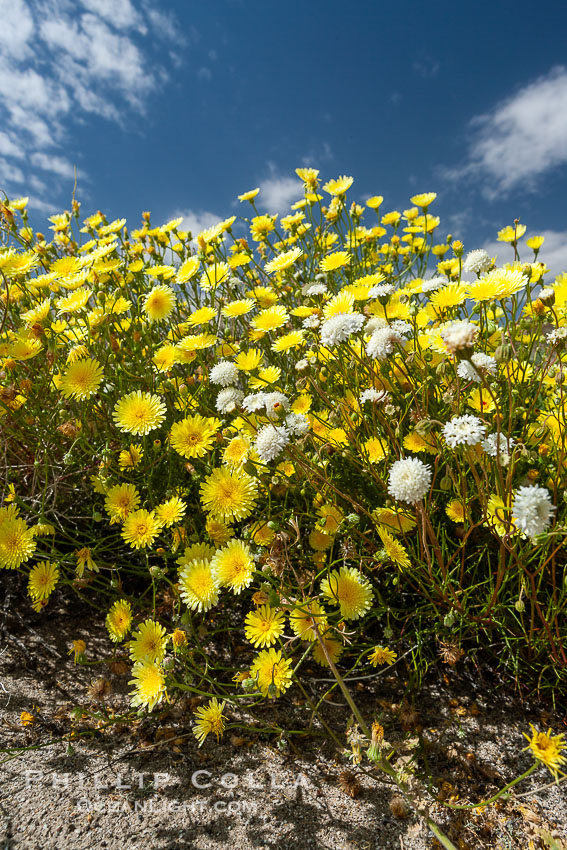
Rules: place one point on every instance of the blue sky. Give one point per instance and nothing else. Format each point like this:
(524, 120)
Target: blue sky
(177, 107)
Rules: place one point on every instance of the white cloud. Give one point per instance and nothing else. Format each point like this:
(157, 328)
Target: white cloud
(55, 164)
(38, 203)
(458, 223)
(521, 139)
(101, 56)
(196, 221)
(11, 174)
(17, 28)
(63, 59)
(39, 186)
(278, 192)
(29, 128)
(164, 25)
(9, 147)
(121, 14)
(553, 252)
(23, 90)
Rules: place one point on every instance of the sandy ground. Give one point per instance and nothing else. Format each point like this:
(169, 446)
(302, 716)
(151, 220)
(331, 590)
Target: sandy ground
(151, 786)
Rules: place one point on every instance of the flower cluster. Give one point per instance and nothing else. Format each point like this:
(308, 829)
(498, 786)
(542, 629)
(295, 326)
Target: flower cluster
(284, 426)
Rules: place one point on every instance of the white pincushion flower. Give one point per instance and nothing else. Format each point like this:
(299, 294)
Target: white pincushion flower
(224, 373)
(557, 336)
(409, 480)
(275, 402)
(532, 510)
(228, 399)
(382, 343)
(376, 396)
(433, 284)
(402, 328)
(340, 327)
(254, 402)
(311, 322)
(459, 335)
(470, 370)
(477, 262)
(547, 296)
(270, 442)
(271, 402)
(467, 372)
(382, 290)
(463, 430)
(297, 423)
(316, 289)
(374, 323)
(492, 441)
(484, 362)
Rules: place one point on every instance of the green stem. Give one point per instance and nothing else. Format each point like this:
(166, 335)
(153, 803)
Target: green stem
(496, 796)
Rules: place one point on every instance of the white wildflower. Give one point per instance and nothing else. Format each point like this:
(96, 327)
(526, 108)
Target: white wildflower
(557, 336)
(315, 289)
(467, 372)
(532, 510)
(382, 290)
(274, 402)
(224, 373)
(376, 396)
(271, 402)
(297, 423)
(463, 430)
(254, 402)
(459, 335)
(480, 363)
(491, 443)
(547, 296)
(409, 480)
(484, 362)
(270, 442)
(477, 262)
(375, 323)
(311, 322)
(228, 399)
(302, 365)
(402, 328)
(433, 284)
(382, 343)
(340, 327)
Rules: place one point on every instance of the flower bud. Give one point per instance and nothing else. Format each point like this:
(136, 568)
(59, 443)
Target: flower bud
(503, 353)
(547, 296)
